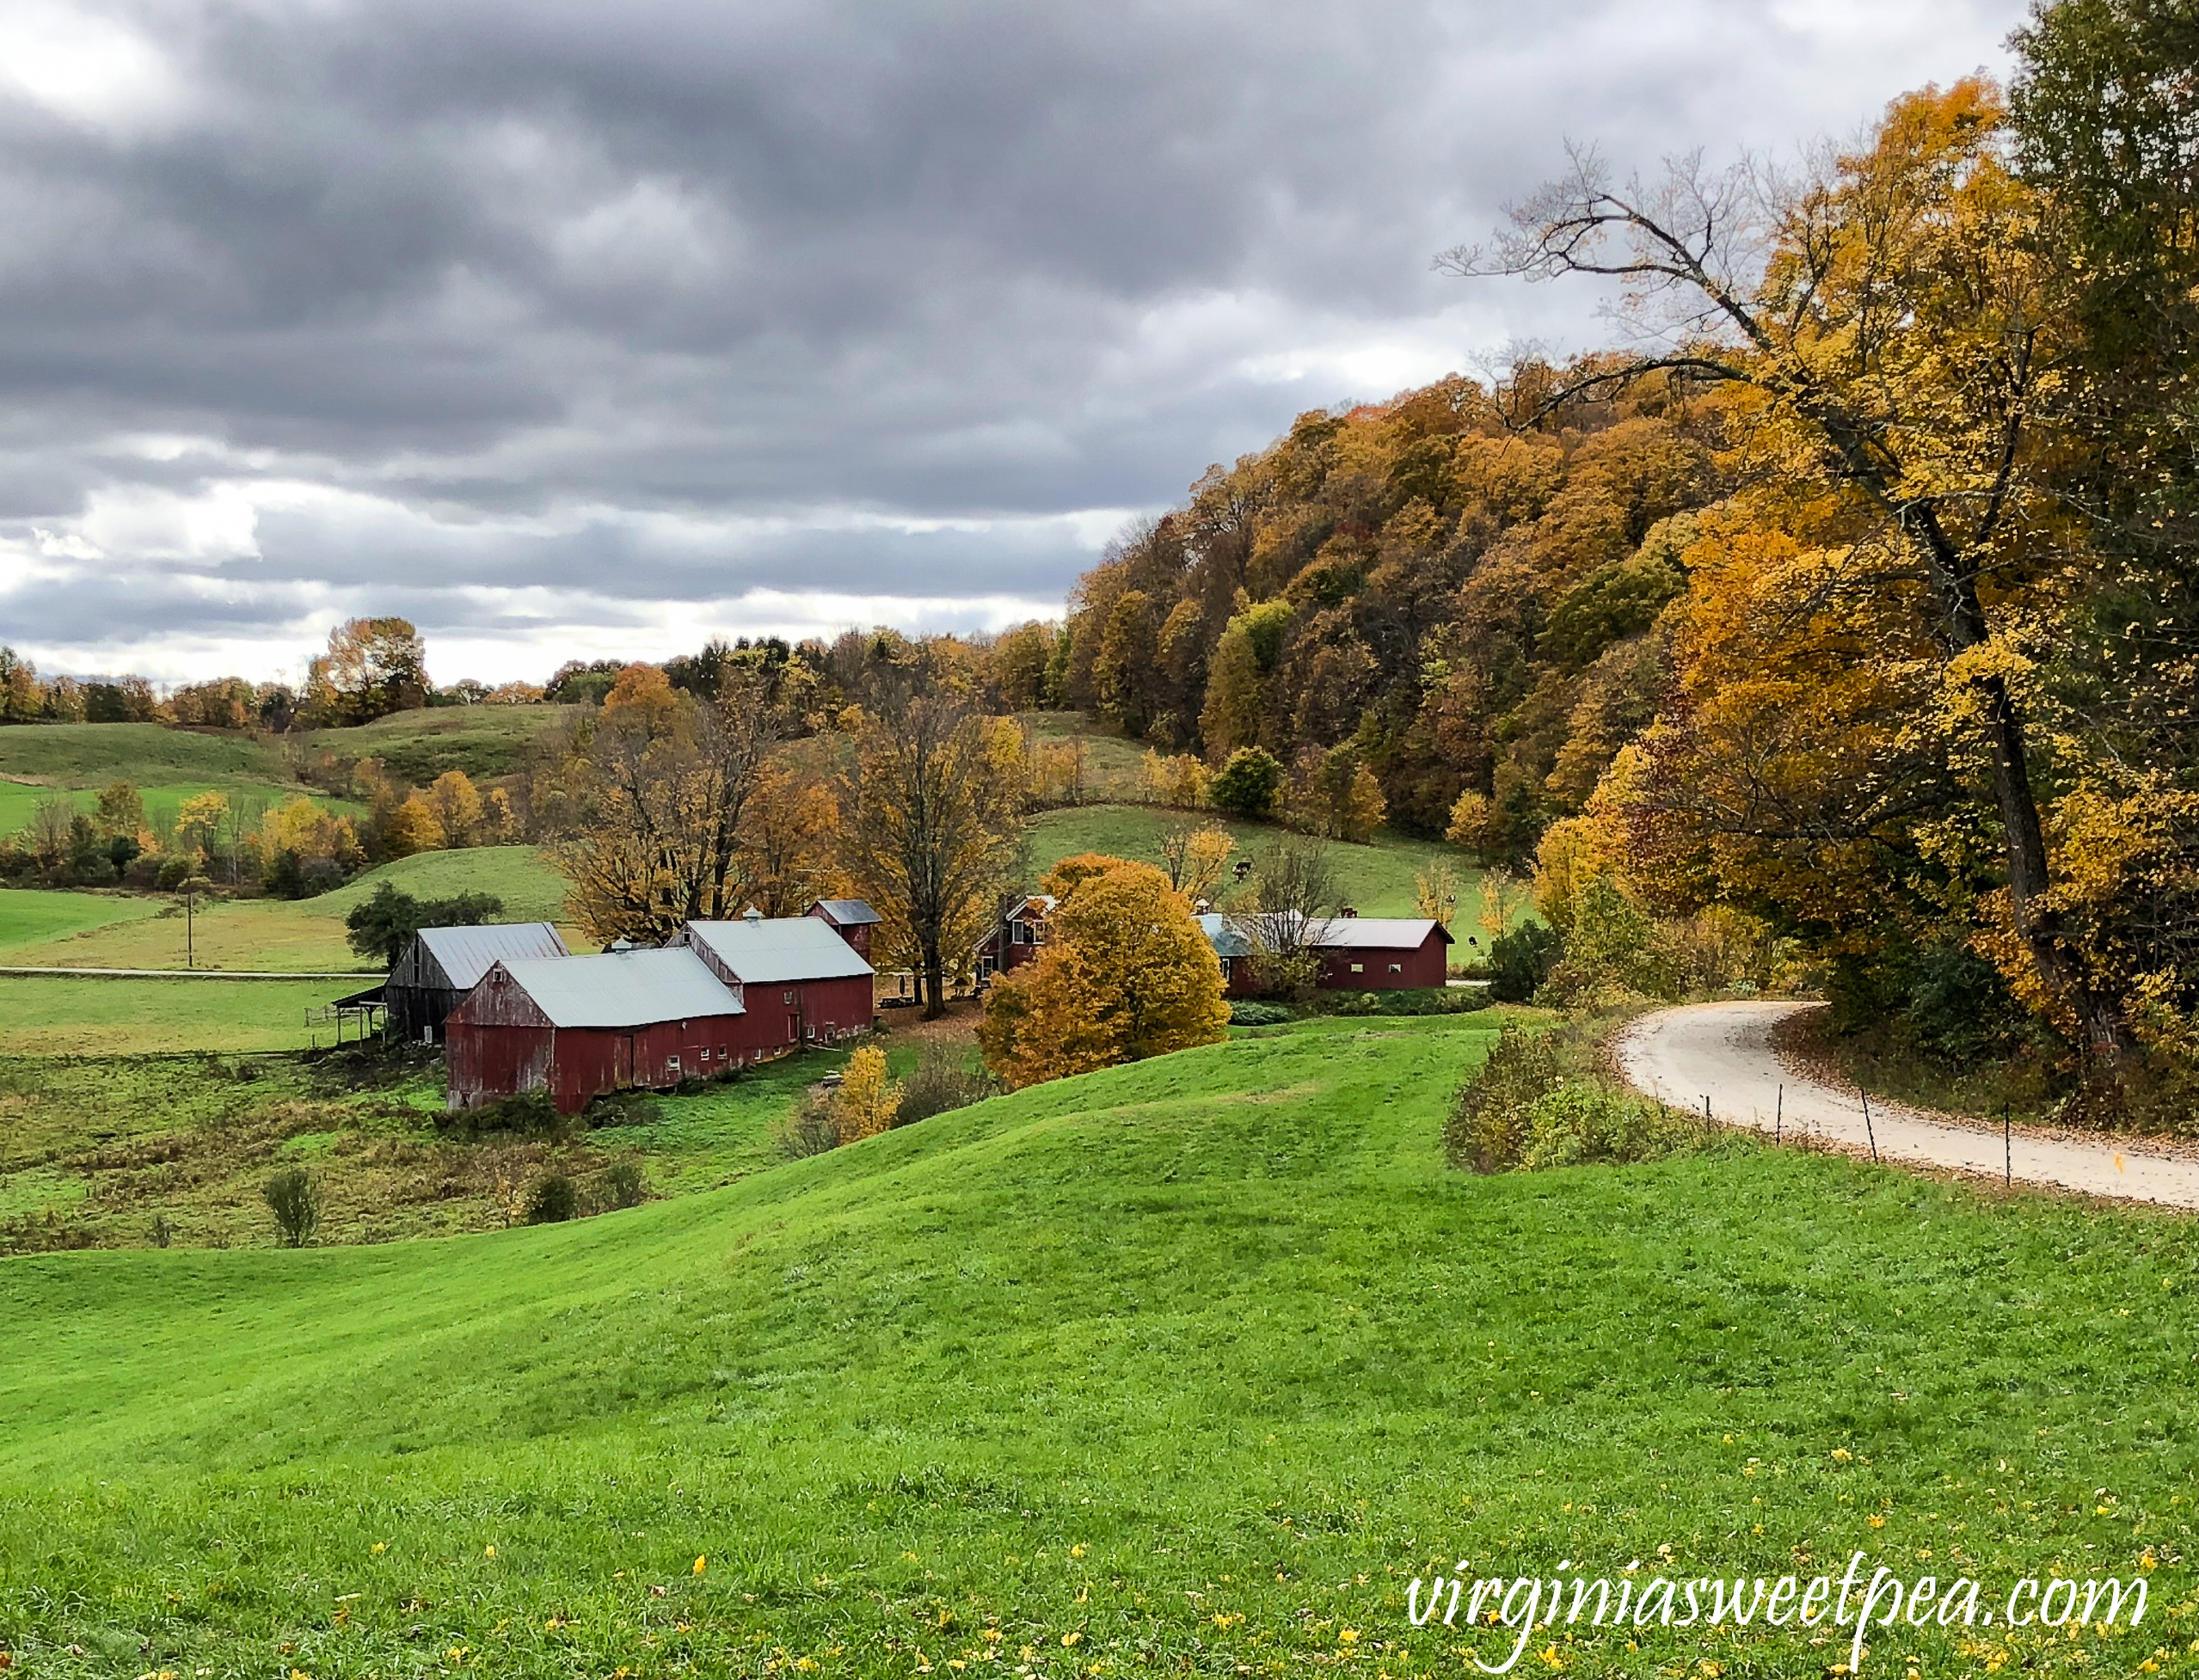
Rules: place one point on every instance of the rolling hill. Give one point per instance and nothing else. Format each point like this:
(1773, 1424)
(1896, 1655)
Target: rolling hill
(1185, 1367)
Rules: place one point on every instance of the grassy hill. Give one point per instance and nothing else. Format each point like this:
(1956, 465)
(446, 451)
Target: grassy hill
(30, 915)
(1377, 879)
(167, 766)
(283, 936)
(419, 746)
(49, 1016)
(1186, 1367)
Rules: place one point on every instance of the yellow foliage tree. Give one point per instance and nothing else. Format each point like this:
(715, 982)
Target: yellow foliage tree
(1195, 857)
(1125, 974)
(458, 808)
(413, 827)
(866, 1100)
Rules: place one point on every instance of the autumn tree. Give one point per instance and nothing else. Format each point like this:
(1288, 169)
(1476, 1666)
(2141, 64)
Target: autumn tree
(374, 666)
(931, 795)
(651, 811)
(867, 1102)
(458, 809)
(1893, 334)
(1125, 974)
(1193, 858)
(789, 838)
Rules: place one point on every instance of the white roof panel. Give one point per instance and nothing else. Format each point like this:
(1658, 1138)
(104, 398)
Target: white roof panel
(467, 953)
(792, 948)
(637, 988)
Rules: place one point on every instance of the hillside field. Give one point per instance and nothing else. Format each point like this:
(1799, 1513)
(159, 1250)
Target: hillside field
(48, 1016)
(1185, 1367)
(280, 934)
(1377, 879)
(418, 747)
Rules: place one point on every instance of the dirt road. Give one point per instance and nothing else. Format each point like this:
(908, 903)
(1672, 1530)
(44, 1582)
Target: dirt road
(1723, 1051)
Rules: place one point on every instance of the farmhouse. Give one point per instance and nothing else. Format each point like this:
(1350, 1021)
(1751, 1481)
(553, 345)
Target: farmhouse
(1018, 932)
(580, 1026)
(852, 919)
(442, 964)
(801, 982)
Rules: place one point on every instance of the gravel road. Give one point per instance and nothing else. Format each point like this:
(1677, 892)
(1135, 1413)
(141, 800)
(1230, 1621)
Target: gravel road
(1724, 1050)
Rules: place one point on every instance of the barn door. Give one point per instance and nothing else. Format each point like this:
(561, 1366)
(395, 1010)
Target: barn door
(622, 1060)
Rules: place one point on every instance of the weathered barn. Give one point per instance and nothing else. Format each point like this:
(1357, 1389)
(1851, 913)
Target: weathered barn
(442, 964)
(1017, 934)
(1356, 952)
(581, 1026)
(852, 919)
(800, 981)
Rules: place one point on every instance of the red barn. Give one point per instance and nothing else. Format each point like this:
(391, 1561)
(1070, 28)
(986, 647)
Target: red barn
(1376, 953)
(581, 1026)
(801, 982)
(851, 919)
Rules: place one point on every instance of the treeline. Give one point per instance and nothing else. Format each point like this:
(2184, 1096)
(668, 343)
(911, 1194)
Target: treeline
(1858, 610)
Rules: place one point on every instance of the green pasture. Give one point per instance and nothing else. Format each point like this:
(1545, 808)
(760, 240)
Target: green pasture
(1186, 1368)
(283, 935)
(91, 755)
(1377, 879)
(418, 747)
(44, 1015)
(31, 917)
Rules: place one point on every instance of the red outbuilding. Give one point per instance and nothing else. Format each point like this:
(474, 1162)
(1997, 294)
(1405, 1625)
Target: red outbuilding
(801, 982)
(851, 919)
(582, 1026)
(1377, 954)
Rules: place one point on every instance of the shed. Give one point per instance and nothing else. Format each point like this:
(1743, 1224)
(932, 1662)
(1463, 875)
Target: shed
(1233, 949)
(801, 982)
(581, 1026)
(852, 919)
(442, 964)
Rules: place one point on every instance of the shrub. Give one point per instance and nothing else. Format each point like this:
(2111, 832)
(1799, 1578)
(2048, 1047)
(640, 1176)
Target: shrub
(1577, 1123)
(625, 1186)
(1490, 1121)
(295, 1200)
(1408, 1001)
(1520, 960)
(529, 1114)
(1248, 784)
(1243, 1012)
(811, 1129)
(866, 1100)
(552, 1199)
(941, 1082)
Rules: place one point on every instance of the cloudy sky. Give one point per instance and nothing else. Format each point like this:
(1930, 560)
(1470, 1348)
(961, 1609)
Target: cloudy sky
(569, 330)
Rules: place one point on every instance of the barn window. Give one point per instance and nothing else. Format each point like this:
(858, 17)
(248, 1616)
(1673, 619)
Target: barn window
(704, 1055)
(786, 998)
(672, 1064)
(1022, 933)
(1397, 968)
(1359, 968)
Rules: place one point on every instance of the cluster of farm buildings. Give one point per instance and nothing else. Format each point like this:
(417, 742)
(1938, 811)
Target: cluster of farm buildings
(517, 1011)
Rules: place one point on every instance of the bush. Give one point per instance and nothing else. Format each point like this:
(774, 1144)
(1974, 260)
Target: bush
(529, 1114)
(1248, 784)
(295, 1200)
(1490, 1121)
(552, 1200)
(1243, 1012)
(942, 1082)
(1578, 1122)
(1520, 960)
(811, 1129)
(1409, 1001)
(625, 1186)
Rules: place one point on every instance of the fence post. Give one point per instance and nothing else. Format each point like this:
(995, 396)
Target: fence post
(1867, 1131)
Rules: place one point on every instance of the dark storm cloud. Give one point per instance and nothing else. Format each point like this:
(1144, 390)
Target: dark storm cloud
(662, 303)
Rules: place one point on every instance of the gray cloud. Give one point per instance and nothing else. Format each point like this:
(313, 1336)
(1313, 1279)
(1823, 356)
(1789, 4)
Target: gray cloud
(542, 321)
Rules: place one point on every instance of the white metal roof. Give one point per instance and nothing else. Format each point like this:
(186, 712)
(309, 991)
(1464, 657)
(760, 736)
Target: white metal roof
(635, 988)
(467, 953)
(1353, 933)
(792, 948)
(1227, 941)
(847, 912)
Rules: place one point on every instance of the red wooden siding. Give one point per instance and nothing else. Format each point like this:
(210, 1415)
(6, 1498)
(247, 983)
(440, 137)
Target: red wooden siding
(1381, 968)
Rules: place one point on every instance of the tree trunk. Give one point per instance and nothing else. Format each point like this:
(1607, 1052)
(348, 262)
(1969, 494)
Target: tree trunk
(935, 988)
